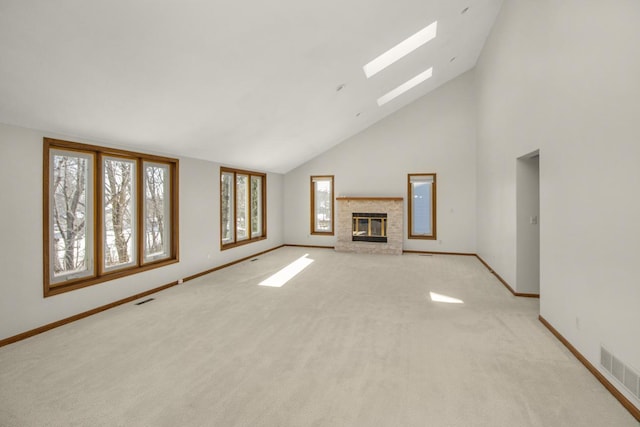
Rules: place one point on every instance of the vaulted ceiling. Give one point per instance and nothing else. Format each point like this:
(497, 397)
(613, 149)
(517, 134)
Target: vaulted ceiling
(265, 85)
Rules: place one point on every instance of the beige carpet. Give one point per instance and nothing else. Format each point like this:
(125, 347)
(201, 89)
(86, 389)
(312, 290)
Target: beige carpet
(352, 340)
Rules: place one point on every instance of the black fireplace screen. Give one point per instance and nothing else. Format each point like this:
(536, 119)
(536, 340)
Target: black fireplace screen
(369, 227)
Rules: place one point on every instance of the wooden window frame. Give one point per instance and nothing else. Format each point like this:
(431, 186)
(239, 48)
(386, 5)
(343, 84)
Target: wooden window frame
(249, 239)
(102, 274)
(313, 207)
(141, 217)
(433, 235)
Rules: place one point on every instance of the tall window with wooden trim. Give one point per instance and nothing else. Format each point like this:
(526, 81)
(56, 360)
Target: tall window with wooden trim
(69, 208)
(422, 206)
(322, 210)
(107, 213)
(157, 211)
(242, 207)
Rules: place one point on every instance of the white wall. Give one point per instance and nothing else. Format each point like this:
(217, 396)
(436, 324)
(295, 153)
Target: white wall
(563, 77)
(436, 133)
(22, 306)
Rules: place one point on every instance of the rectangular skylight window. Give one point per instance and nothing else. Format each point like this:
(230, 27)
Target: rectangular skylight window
(401, 49)
(405, 87)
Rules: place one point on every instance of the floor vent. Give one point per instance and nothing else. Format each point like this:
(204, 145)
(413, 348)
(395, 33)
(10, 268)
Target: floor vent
(627, 376)
(145, 301)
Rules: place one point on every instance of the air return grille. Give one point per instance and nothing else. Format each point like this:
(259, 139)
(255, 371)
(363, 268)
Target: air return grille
(623, 373)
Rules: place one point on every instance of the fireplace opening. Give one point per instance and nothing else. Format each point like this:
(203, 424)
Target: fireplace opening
(369, 227)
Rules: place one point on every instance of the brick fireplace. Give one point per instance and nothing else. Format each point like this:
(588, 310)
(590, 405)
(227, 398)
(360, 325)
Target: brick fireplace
(356, 217)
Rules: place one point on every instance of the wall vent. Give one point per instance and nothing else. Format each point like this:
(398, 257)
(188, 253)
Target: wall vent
(145, 301)
(631, 380)
(627, 376)
(605, 359)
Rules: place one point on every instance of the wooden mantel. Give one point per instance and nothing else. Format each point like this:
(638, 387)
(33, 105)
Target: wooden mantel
(394, 199)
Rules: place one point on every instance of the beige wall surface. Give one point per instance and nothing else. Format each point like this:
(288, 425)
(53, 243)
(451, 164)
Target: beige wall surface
(562, 77)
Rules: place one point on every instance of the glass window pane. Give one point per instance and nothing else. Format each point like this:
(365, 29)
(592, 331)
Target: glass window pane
(157, 213)
(421, 214)
(119, 212)
(256, 206)
(71, 215)
(242, 207)
(421, 208)
(323, 200)
(226, 207)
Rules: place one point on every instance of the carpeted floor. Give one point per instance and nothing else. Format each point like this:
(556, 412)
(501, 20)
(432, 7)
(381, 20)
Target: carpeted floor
(352, 340)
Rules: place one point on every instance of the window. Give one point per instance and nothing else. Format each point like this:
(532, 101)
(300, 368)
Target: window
(108, 213)
(71, 215)
(242, 207)
(157, 213)
(119, 213)
(227, 208)
(422, 206)
(322, 205)
(256, 206)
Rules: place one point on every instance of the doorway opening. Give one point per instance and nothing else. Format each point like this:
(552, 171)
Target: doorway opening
(528, 223)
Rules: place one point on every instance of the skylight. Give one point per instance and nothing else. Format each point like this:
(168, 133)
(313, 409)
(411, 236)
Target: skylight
(401, 49)
(405, 87)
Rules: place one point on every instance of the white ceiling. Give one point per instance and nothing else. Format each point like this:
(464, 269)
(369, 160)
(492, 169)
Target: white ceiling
(244, 83)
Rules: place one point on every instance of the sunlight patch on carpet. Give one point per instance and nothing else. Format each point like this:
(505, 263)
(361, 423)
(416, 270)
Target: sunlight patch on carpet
(443, 298)
(287, 273)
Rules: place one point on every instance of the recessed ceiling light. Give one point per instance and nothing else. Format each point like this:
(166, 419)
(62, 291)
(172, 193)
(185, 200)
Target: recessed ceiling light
(405, 87)
(401, 49)
(465, 10)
